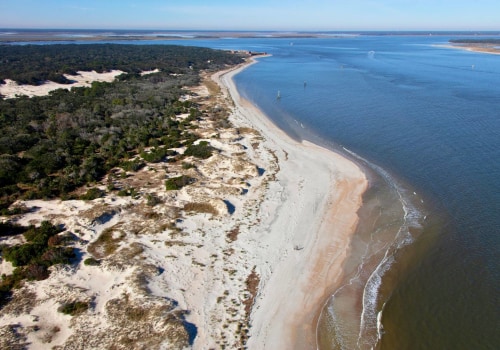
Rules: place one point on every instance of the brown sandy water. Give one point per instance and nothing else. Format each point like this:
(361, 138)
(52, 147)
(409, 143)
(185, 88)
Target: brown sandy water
(391, 218)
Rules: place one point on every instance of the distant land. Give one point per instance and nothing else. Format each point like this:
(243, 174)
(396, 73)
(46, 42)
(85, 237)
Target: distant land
(476, 41)
(33, 35)
(489, 45)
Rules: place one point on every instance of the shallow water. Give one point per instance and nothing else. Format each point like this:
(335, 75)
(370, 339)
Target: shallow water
(391, 218)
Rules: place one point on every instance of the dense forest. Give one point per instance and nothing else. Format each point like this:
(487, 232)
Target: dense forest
(34, 64)
(51, 145)
(476, 41)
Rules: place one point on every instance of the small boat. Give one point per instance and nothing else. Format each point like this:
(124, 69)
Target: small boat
(278, 96)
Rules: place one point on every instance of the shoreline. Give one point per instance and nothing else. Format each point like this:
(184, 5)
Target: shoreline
(296, 283)
(473, 48)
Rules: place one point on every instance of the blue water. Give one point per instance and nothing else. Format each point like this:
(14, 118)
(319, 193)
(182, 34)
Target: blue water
(429, 118)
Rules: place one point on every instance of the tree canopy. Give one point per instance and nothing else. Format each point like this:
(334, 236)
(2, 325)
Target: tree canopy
(50, 145)
(34, 64)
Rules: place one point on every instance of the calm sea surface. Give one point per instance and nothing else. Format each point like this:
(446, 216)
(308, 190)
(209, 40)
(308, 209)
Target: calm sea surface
(424, 121)
(429, 117)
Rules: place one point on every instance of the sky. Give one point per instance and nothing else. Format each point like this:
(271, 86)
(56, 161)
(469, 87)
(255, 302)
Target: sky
(293, 15)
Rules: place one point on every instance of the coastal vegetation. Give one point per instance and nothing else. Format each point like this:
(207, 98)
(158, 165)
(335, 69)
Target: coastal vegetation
(476, 41)
(178, 182)
(201, 150)
(52, 145)
(43, 248)
(35, 64)
(74, 308)
(143, 137)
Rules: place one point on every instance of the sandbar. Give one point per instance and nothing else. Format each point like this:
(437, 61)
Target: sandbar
(482, 48)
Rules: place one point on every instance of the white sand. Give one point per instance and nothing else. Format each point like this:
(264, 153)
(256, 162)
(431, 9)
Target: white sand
(11, 88)
(311, 206)
(294, 221)
(147, 72)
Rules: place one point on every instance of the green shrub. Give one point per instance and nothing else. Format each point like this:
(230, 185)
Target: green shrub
(128, 192)
(123, 193)
(92, 193)
(186, 165)
(152, 200)
(74, 308)
(171, 141)
(132, 165)
(155, 155)
(21, 254)
(37, 249)
(13, 211)
(40, 235)
(92, 262)
(176, 183)
(202, 150)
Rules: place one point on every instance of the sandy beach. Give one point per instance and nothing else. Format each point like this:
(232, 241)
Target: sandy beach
(254, 270)
(309, 215)
(489, 49)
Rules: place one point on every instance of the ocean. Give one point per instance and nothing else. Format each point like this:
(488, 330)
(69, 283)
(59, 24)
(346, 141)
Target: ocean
(426, 120)
(423, 120)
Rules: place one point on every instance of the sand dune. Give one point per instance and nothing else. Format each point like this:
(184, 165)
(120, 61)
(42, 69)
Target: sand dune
(11, 89)
(258, 240)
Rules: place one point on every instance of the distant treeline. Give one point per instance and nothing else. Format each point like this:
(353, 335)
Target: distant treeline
(476, 41)
(51, 145)
(34, 64)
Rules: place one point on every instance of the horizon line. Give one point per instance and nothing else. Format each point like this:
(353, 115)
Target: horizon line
(255, 30)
